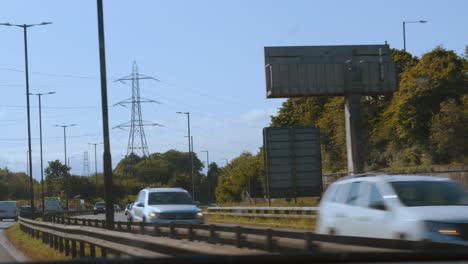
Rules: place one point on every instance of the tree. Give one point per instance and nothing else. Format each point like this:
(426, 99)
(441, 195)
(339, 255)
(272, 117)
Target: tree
(403, 134)
(238, 180)
(55, 174)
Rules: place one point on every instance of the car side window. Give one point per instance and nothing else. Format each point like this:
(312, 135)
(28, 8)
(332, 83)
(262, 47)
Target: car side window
(341, 193)
(376, 200)
(140, 197)
(353, 194)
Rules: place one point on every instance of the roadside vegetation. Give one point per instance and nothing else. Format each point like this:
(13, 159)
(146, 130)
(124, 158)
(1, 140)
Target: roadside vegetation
(308, 224)
(31, 247)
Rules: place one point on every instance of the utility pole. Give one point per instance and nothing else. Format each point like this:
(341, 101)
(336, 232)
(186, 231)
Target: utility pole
(95, 160)
(25, 27)
(39, 96)
(65, 159)
(108, 189)
(207, 171)
(190, 144)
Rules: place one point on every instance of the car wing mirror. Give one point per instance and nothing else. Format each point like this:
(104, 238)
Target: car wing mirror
(379, 206)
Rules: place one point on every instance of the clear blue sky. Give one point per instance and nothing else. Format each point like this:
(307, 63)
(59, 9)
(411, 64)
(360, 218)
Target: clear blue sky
(207, 54)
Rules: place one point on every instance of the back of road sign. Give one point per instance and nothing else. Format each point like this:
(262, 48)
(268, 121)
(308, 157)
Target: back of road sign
(329, 70)
(292, 162)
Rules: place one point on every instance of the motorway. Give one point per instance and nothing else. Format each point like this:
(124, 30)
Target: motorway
(7, 252)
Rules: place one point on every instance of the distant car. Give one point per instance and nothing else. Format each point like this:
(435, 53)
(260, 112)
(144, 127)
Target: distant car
(409, 207)
(8, 210)
(165, 205)
(53, 206)
(25, 211)
(127, 208)
(99, 207)
(117, 207)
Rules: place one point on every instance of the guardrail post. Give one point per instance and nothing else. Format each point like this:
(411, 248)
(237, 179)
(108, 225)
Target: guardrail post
(129, 227)
(73, 248)
(60, 244)
(56, 242)
(142, 227)
(68, 220)
(238, 236)
(191, 234)
(75, 221)
(156, 230)
(67, 247)
(309, 243)
(119, 225)
(92, 250)
(96, 223)
(212, 233)
(82, 249)
(269, 239)
(173, 231)
(103, 223)
(51, 240)
(103, 252)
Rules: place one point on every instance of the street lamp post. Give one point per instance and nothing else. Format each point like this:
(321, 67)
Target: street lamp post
(39, 96)
(25, 27)
(190, 142)
(95, 160)
(404, 30)
(65, 160)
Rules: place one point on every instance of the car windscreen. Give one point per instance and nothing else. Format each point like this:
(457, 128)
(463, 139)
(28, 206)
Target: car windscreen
(169, 198)
(430, 193)
(100, 204)
(7, 205)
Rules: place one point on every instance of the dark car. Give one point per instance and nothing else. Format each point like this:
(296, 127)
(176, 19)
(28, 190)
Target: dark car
(99, 207)
(25, 211)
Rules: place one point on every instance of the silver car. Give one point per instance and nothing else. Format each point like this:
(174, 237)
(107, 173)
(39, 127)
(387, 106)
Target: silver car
(165, 205)
(8, 210)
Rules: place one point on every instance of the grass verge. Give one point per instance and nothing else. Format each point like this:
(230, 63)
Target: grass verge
(31, 247)
(308, 224)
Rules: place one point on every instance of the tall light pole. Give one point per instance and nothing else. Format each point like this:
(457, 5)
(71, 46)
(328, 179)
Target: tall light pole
(107, 157)
(65, 160)
(190, 143)
(25, 27)
(39, 96)
(95, 159)
(404, 30)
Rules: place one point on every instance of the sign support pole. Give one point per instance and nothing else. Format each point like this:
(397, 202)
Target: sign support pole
(354, 134)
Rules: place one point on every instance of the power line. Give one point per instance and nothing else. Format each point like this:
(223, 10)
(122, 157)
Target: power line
(51, 107)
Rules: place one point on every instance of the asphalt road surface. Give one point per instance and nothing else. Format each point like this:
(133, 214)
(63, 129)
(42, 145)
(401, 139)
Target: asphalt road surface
(5, 246)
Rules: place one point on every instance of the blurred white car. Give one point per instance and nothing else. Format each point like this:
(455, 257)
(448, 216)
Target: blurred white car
(406, 207)
(165, 205)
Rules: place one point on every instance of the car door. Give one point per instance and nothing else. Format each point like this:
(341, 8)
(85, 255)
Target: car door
(352, 210)
(375, 217)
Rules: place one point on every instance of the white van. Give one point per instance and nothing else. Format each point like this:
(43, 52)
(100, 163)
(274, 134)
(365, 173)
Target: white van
(8, 210)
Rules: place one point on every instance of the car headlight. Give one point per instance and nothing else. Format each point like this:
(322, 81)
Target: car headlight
(153, 214)
(199, 215)
(442, 228)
